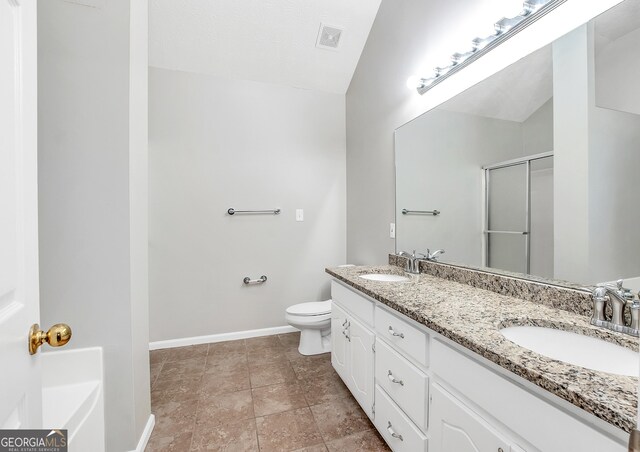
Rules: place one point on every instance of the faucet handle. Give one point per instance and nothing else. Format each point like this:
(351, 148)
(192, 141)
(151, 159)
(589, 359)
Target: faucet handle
(600, 293)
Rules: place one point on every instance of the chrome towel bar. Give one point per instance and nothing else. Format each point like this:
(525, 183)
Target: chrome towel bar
(233, 211)
(421, 212)
(248, 280)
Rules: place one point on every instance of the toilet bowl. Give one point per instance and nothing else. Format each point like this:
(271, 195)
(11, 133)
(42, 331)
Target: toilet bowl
(313, 319)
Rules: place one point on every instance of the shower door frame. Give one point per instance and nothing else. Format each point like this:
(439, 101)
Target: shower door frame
(526, 160)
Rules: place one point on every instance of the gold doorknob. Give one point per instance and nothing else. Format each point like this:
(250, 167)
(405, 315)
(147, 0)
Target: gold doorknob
(57, 336)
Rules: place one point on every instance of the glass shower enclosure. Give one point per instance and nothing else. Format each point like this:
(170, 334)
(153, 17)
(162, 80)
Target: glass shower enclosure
(518, 233)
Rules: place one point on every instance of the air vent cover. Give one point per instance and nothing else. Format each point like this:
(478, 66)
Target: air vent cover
(329, 37)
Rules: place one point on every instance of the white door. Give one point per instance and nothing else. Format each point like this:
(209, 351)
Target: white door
(339, 340)
(455, 428)
(360, 364)
(20, 389)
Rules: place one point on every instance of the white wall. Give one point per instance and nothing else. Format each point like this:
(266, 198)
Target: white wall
(408, 38)
(617, 71)
(91, 157)
(537, 130)
(218, 143)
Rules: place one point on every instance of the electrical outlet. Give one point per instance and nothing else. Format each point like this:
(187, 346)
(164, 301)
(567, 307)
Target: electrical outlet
(299, 215)
(392, 230)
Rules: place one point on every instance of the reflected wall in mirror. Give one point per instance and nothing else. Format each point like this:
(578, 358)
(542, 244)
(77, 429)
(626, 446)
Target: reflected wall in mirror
(535, 170)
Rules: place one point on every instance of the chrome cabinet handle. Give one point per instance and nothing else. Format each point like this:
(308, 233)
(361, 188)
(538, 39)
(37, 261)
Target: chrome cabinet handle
(393, 333)
(393, 433)
(344, 323)
(344, 331)
(393, 379)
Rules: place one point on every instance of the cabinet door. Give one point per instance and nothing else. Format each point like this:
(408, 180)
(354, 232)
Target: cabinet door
(455, 428)
(339, 341)
(360, 364)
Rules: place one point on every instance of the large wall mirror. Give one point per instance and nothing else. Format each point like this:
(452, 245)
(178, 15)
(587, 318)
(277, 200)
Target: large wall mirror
(535, 170)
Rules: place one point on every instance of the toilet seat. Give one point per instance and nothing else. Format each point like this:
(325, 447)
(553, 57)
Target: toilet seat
(312, 308)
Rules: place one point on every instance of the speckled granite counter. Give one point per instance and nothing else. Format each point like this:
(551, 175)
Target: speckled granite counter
(472, 317)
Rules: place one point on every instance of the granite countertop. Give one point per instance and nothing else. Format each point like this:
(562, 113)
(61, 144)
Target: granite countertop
(472, 317)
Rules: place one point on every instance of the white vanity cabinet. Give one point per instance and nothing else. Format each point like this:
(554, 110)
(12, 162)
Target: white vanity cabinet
(352, 345)
(431, 394)
(455, 428)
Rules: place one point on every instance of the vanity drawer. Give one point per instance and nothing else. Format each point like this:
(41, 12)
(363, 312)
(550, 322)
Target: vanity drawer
(395, 427)
(358, 305)
(407, 385)
(403, 336)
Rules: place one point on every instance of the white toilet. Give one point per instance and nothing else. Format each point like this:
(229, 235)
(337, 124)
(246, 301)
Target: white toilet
(313, 319)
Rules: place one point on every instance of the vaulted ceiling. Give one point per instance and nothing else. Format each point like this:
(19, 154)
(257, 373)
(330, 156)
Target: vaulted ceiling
(272, 41)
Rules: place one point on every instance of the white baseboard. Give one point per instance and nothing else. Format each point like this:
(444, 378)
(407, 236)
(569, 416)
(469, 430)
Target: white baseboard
(146, 434)
(182, 342)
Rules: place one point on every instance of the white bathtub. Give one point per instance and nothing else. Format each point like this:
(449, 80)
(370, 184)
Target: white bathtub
(73, 396)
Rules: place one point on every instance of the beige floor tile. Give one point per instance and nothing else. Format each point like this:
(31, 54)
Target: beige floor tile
(278, 398)
(191, 351)
(239, 395)
(257, 343)
(312, 366)
(158, 356)
(192, 367)
(267, 355)
(228, 346)
(340, 418)
(226, 363)
(214, 384)
(289, 339)
(367, 441)
(175, 417)
(288, 431)
(324, 389)
(180, 442)
(316, 448)
(238, 436)
(225, 408)
(154, 371)
(186, 388)
(271, 374)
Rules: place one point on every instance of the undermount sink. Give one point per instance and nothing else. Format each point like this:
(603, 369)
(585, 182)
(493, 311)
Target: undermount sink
(386, 277)
(574, 348)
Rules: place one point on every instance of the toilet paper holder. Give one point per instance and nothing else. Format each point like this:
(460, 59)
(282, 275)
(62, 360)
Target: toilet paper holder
(248, 280)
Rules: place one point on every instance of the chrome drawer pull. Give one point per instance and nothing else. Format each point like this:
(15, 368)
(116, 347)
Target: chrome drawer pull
(392, 379)
(393, 433)
(393, 333)
(345, 322)
(344, 332)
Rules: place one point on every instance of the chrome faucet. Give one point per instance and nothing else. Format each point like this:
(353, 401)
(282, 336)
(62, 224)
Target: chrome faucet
(619, 298)
(413, 261)
(433, 256)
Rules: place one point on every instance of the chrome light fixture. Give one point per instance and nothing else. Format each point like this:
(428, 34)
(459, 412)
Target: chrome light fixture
(532, 10)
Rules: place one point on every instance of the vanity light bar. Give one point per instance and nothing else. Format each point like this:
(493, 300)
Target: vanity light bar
(505, 28)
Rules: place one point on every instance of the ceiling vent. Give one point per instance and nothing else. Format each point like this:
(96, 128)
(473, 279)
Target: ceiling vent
(329, 37)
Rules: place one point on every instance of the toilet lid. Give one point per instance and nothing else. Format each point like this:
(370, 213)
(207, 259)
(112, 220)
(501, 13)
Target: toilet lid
(310, 308)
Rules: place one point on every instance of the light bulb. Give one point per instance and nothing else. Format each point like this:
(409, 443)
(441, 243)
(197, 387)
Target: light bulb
(413, 82)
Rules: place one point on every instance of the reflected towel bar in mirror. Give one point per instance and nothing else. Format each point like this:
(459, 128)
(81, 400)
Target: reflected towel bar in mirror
(233, 211)
(420, 212)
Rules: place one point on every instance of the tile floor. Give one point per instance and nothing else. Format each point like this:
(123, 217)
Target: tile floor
(257, 394)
